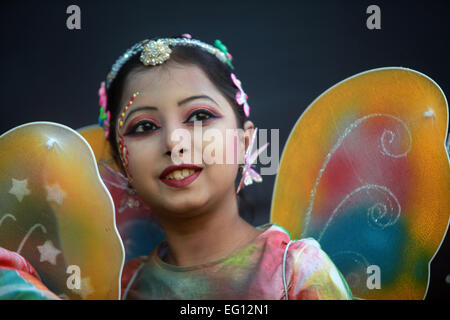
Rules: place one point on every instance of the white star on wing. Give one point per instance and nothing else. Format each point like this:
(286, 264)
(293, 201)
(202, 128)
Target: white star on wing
(48, 252)
(19, 189)
(55, 193)
(51, 143)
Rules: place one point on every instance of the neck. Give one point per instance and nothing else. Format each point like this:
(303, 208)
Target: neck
(210, 234)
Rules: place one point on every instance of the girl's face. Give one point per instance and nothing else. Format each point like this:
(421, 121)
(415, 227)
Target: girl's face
(172, 97)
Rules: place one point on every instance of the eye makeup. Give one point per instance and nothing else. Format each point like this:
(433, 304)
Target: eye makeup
(201, 108)
(146, 119)
(125, 109)
(138, 121)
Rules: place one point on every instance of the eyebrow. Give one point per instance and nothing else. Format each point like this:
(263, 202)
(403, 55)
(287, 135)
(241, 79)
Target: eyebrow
(136, 110)
(196, 97)
(180, 103)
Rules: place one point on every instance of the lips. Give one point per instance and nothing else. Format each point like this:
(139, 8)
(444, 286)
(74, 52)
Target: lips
(180, 176)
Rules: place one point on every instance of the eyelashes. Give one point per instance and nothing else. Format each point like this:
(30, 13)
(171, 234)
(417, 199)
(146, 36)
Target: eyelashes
(143, 126)
(200, 115)
(148, 126)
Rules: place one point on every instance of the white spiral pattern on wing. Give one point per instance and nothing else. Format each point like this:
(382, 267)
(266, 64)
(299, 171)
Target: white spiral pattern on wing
(384, 150)
(378, 214)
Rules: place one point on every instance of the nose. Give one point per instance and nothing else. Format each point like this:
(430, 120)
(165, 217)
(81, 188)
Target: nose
(169, 152)
(175, 153)
(176, 142)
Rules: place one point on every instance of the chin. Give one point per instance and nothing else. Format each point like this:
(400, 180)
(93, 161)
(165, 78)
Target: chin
(185, 205)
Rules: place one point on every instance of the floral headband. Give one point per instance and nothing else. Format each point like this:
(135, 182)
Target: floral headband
(156, 52)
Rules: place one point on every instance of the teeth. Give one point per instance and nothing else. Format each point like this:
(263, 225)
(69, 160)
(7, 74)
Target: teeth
(179, 174)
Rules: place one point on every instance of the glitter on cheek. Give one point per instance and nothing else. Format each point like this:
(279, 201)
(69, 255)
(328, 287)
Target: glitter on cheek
(123, 151)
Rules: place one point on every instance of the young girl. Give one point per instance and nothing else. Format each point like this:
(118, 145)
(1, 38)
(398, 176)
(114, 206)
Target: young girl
(164, 85)
(160, 89)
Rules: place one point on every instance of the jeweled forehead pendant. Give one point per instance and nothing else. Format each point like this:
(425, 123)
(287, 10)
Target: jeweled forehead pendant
(155, 52)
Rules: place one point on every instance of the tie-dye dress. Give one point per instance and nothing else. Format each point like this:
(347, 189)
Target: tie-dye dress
(19, 280)
(270, 267)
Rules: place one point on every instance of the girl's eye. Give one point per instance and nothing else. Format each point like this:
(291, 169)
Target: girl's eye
(143, 127)
(200, 115)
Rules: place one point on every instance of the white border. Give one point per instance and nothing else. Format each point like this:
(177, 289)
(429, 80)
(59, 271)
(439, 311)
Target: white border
(98, 176)
(339, 83)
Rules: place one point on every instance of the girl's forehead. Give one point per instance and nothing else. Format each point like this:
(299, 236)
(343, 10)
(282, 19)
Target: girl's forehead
(168, 78)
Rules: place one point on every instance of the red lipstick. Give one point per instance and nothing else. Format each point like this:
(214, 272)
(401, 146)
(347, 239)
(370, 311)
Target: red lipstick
(179, 183)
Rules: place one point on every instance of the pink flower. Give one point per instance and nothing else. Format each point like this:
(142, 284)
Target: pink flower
(104, 116)
(249, 175)
(102, 94)
(241, 96)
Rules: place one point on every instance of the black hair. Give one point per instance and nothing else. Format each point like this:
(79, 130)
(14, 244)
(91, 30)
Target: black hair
(217, 72)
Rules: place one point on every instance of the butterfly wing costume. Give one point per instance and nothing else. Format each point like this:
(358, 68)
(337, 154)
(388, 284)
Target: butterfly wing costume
(365, 172)
(57, 213)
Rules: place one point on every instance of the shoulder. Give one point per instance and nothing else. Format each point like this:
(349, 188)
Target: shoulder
(276, 237)
(312, 273)
(302, 258)
(306, 249)
(274, 234)
(273, 240)
(305, 257)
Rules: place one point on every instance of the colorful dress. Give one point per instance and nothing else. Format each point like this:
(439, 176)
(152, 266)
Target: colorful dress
(19, 280)
(267, 268)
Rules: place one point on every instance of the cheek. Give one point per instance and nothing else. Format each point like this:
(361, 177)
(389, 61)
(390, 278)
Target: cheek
(141, 153)
(223, 167)
(221, 177)
(236, 148)
(221, 146)
(123, 152)
(233, 149)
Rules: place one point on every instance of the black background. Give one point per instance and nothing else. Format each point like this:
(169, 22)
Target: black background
(286, 53)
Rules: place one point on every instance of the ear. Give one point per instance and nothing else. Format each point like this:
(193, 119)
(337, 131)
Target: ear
(249, 128)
